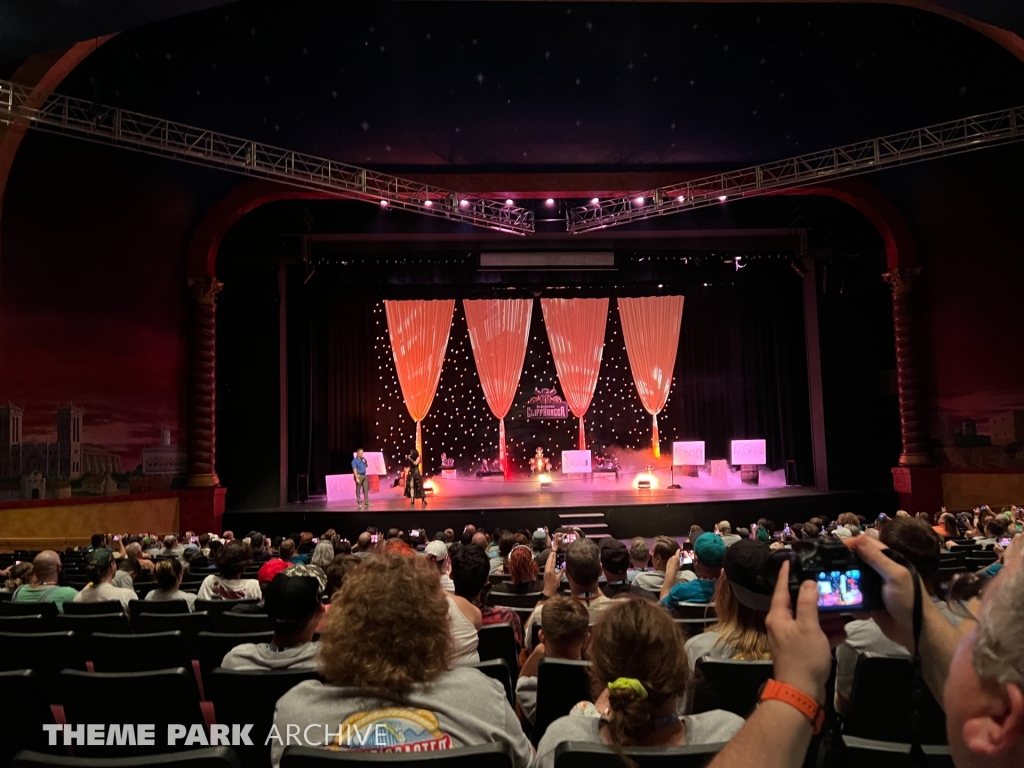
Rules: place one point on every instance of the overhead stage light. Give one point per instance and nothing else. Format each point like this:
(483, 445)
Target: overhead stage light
(509, 202)
(464, 203)
(383, 203)
(681, 198)
(428, 488)
(595, 201)
(545, 480)
(549, 202)
(428, 203)
(639, 201)
(722, 198)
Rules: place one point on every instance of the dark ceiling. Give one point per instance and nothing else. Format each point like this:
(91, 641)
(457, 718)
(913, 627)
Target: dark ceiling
(550, 85)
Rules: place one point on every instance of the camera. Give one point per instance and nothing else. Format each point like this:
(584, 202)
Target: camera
(845, 582)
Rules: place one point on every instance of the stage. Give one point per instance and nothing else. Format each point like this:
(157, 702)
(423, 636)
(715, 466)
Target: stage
(622, 512)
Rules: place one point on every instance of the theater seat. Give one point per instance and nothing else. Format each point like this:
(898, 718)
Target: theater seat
(250, 697)
(93, 609)
(729, 685)
(25, 712)
(46, 610)
(189, 624)
(208, 757)
(137, 607)
(163, 697)
(885, 684)
(45, 653)
(212, 647)
(858, 753)
(244, 623)
(85, 626)
(577, 754)
(138, 653)
(497, 669)
(496, 755)
(213, 607)
(498, 641)
(25, 623)
(514, 600)
(561, 685)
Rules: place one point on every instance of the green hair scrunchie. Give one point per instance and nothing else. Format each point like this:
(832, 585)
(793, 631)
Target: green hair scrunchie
(628, 684)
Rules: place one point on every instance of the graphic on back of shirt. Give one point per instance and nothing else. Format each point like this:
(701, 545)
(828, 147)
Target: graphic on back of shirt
(395, 729)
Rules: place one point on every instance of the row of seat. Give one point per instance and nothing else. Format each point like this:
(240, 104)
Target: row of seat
(190, 624)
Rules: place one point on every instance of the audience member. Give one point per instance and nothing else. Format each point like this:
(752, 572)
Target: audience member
(708, 554)
(742, 599)
(364, 545)
(523, 573)
(639, 558)
(322, 555)
(639, 675)
(665, 549)
(993, 530)
(506, 541)
(582, 569)
(395, 603)
(292, 600)
(18, 575)
(260, 551)
(228, 584)
(565, 628)
(436, 552)
(44, 585)
(100, 568)
(169, 574)
(541, 543)
(915, 540)
(947, 527)
(272, 567)
(336, 572)
(615, 566)
(470, 569)
(725, 531)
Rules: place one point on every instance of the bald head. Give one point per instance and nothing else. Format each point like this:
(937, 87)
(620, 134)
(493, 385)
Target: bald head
(45, 565)
(481, 540)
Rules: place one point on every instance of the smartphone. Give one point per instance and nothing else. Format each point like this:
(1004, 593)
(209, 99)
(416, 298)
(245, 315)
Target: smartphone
(374, 538)
(568, 538)
(116, 537)
(685, 557)
(787, 531)
(195, 539)
(17, 562)
(316, 540)
(1004, 543)
(559, 559)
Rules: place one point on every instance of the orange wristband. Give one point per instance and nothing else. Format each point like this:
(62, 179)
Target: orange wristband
(773, 690)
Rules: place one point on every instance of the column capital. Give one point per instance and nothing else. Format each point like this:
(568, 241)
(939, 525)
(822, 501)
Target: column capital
(205, 289)
(901, 279)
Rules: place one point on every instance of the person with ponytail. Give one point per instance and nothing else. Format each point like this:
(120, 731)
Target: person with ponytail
(639, 675)
(168, 575)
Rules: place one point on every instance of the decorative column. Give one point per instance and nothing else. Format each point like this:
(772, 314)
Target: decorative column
(202, 383)
(913, 408)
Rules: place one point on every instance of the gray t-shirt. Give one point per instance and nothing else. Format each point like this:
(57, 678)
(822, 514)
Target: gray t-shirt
(706, 644)
(711, 727)
(255, 657)
(160, 595)
(652, 580)
(463, 707)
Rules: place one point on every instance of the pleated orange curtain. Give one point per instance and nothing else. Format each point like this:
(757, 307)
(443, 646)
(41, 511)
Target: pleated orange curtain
(576, 334)
(650, 328)
(498, 332)
(419, 339)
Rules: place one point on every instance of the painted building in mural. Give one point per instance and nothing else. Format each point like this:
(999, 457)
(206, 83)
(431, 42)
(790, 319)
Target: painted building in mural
(164, 459)
(61, 459)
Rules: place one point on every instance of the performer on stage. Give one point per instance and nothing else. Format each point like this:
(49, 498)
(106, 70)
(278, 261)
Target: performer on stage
(413, 478)
(359, 473)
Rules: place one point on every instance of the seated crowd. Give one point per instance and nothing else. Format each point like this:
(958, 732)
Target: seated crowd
(392, 625)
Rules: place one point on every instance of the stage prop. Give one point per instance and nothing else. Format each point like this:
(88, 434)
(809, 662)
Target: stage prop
(419, 338)
(343, 487)
(575, 330)
(749, 454)
(689, 455)
(576, 462)
(650, 328)
(498, 333)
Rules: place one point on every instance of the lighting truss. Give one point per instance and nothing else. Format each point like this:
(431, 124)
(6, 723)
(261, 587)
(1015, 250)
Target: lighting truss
(154, 136)
(950, 138)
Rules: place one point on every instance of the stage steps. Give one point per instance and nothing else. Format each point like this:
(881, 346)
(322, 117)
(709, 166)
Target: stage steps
(592, 524)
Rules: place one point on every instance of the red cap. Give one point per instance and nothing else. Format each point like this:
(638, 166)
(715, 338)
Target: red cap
(270, 569)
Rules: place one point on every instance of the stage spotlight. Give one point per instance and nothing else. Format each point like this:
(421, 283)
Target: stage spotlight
(545, 480)
(428, 203)
(681, 198)
(428, 488)
(464, 203)
(383, 203)
(722, 198)
(509, 202)
(639, 201)
(646, 480)
(595, 201)
(549, 202)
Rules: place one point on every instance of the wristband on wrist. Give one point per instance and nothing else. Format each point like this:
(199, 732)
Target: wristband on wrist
(773, 690)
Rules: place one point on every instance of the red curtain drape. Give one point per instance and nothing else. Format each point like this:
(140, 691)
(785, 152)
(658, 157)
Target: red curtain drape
(650, 328)
(419, 338)
(576, 334)
(498, 332)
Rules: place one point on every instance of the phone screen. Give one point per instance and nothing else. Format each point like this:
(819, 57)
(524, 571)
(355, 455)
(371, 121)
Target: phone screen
(316, 541)
(116, 537)
(559, 559)
(685, 556)
(1004, 543)
(568, 538)
(374, 538)
(839, 590)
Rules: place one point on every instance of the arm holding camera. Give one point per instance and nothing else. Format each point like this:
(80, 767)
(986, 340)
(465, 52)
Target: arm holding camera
(671, 570)
(778, 734)
(552, 573)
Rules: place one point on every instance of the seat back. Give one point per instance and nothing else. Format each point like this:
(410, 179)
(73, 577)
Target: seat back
(137, 653)
(496, 755)
(577, 754)
(45, 653)
(84, 626)
(46, 610)
(93, 609)
(886, 684)
(514, 600)
(497, 669)
(214, 607)
(136, 607)
(189, 624)
(212, 647)
(21, 727)
(729, 685)
(35, 622)
(250, 697)
(561, 685)
(858, 753)
(694, 611)
(166, 696)
(498, 641)
(243, 623)
(691, 627)
(207, 757)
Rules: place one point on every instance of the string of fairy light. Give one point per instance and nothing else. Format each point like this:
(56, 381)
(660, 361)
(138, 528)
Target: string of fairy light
(460, 423)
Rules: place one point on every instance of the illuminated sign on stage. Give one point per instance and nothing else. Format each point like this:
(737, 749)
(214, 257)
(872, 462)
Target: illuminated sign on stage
(749, 452)
(576, 461)
(688, 453)
(547, 404)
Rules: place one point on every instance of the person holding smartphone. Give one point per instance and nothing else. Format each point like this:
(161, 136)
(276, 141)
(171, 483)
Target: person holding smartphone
(708, 555)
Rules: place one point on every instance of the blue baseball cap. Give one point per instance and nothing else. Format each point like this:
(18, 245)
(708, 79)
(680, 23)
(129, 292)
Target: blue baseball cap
(710, 549)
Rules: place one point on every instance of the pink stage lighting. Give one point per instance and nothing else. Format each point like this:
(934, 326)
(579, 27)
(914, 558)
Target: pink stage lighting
(681, 198)
(639, 201)
(594, 201)
(509, 202)
(549, 202)
(464, 203)
(428, 203)
(722, 198)
(383, 203)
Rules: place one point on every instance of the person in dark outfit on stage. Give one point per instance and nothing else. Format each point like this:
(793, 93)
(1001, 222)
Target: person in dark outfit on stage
(413, 479)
